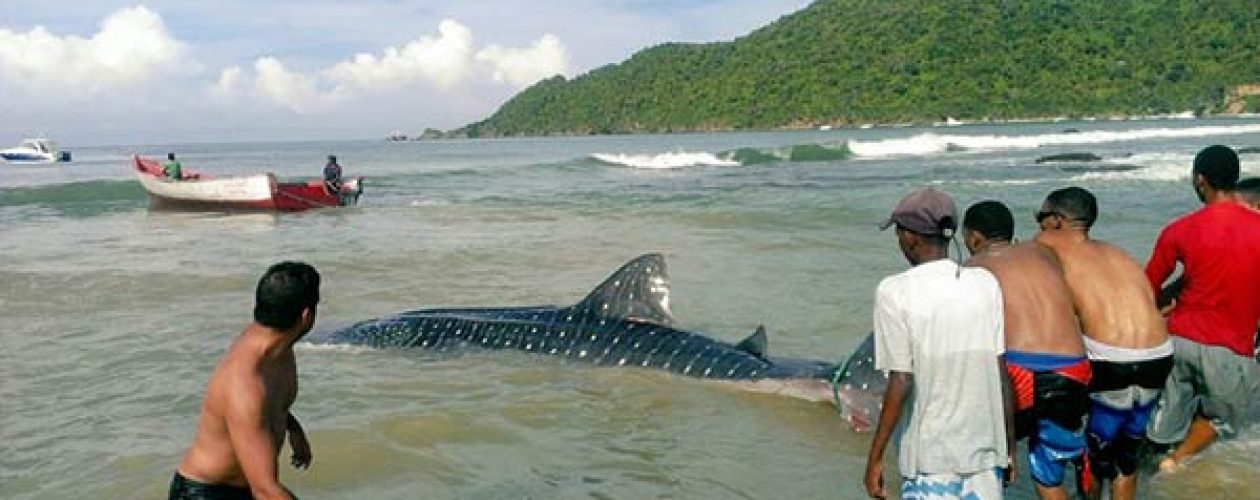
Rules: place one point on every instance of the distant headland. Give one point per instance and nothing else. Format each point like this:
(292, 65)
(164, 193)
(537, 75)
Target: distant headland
(853, 63)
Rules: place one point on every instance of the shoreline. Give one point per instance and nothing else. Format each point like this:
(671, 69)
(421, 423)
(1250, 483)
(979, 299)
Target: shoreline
(946, 122)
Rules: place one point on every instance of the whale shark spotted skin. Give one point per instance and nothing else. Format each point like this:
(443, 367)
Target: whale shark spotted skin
(625, 321)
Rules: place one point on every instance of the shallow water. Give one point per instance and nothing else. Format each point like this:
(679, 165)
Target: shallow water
(116, 314)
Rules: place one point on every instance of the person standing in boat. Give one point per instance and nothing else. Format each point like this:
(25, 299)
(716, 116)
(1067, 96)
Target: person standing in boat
(332, 175)
(172, 168)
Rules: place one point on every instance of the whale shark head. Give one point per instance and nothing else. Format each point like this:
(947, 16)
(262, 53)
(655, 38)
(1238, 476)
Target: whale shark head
(638, 291)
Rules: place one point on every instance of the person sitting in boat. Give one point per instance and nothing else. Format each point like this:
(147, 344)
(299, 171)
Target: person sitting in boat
(172, 168)
(332, 175)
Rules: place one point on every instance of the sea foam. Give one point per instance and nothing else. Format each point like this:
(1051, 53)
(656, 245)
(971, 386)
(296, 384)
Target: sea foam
(679, 159)
(932, 144)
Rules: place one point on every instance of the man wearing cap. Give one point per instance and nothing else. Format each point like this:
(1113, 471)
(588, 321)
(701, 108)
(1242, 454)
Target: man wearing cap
(1125, 339)
(1044, 353)
(938, 334)
(1214, 376)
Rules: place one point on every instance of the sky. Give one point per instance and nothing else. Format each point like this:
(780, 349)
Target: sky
(91, 72)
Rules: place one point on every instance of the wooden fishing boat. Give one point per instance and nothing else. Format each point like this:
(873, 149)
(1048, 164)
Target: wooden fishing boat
(259, 192)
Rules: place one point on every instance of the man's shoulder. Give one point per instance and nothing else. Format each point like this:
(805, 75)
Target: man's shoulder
(240, 367)
(1179, 222)
(1212, 213)
(980, 279)
(893, 280)
(1108, 253)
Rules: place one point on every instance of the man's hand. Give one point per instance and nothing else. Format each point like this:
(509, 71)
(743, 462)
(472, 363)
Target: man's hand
(301, 450)
(875, 480)
(297, 440)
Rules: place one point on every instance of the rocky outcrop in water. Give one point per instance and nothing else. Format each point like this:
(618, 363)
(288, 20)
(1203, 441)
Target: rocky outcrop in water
(1069, 157)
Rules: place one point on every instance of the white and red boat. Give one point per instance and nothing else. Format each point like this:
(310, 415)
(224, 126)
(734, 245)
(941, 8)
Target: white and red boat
(260, 192)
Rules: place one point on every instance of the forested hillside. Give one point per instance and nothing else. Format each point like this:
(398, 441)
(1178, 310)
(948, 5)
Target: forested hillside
(844, 62)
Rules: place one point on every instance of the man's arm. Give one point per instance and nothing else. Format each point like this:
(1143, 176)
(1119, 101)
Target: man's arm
(899, 384)
(252, 441)
(1008, 410)
(1163, 261)
(297, 440)
(1167, 297)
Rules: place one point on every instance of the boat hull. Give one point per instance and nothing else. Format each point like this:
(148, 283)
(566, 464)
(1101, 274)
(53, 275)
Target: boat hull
(25, 156)
(260, 192)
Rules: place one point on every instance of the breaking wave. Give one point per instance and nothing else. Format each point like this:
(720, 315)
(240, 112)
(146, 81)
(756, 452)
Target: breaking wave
(732, 158)
(931, 143)
(665, 160)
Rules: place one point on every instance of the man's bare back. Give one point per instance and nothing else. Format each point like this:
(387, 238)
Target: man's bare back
(245, 414)
(243, 373)
(1037, 304)
(1112, 297)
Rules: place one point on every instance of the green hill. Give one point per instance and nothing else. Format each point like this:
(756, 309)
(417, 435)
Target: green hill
(871, 61)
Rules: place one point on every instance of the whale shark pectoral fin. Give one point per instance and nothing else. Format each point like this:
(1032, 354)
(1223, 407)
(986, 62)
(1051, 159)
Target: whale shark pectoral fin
(756, 343)
(639, 291)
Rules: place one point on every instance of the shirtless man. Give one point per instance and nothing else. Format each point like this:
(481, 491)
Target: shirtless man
(245, 414)
(1045, 357)
(1214, 374)
(1128, 347)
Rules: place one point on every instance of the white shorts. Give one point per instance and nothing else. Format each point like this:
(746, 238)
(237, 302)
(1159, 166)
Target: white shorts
(985, 485)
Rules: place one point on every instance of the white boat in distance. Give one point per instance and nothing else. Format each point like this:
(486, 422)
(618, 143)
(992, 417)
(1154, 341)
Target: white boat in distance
(37, 150)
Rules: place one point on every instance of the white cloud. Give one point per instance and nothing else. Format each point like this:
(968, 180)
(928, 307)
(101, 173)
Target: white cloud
(522, 67)
(448, 63)
(275, 82)
(444, 61)
(83, 70)
(133, 47)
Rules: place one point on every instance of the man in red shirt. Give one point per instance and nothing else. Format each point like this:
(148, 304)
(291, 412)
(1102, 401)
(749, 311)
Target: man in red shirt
(1214, 320)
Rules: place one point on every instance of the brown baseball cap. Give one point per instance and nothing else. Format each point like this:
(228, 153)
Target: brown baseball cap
(925, 211)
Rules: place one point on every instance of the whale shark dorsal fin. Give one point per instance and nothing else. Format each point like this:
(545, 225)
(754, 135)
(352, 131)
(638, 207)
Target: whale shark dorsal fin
(639, 291)
(756, 343)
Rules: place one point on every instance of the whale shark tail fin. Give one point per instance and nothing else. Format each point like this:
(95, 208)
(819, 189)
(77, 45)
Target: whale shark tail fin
(756, 343)
(638, 291)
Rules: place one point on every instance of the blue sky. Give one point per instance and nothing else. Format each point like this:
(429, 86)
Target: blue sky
(106, 72)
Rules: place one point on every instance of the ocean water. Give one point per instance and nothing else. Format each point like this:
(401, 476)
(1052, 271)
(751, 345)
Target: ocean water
(116, 314)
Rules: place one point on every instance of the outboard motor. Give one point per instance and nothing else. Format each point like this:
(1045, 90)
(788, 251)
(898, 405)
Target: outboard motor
(350, 197)
(63, 156)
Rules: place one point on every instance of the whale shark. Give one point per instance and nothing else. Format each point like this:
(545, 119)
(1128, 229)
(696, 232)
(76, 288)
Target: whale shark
(625, 321)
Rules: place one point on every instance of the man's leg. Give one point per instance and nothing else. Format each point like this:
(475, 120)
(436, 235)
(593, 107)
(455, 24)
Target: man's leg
(1201, 435)
(1052, 493)
(1124, 487)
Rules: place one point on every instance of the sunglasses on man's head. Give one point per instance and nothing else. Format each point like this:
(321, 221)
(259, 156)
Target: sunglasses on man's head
(1042, 215)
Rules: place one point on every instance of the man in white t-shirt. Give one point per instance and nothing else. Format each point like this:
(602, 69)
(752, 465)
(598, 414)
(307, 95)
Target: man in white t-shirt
(938, 332)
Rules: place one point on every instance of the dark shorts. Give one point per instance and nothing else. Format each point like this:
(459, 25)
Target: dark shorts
(183, 488)
(1122, 396)
(1051, 399)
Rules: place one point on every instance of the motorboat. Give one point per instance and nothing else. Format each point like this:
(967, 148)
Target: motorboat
(36, 150)
(257, 192)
